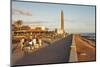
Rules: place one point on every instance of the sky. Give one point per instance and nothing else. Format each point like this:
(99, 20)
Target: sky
(77, 19)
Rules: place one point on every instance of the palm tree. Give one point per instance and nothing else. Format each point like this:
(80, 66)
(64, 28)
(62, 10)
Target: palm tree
(18, 24)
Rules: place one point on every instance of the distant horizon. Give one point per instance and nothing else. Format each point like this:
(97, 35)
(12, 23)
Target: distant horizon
(77, 19)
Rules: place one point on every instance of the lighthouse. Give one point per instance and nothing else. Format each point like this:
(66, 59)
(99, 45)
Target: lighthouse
(62, 23)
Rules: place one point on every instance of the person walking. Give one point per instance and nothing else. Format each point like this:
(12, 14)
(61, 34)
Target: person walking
(22, 43)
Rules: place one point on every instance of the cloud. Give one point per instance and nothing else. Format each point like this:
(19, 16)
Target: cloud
(21, 11)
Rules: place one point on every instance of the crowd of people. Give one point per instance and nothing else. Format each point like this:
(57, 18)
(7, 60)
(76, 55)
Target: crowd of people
(30, 44)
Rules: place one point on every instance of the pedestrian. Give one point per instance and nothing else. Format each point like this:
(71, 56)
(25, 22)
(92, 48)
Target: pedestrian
(34, 42)
(30, 44)
(22, 43)
(40, 42)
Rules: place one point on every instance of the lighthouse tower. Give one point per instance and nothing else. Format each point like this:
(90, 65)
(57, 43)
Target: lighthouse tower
(62, 23)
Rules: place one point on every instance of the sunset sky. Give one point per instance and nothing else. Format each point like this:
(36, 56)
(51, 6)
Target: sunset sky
(77, 19)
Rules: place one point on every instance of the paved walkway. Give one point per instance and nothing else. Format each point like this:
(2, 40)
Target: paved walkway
(57, 52)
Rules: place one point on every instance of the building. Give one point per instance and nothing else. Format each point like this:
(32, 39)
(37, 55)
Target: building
(41, 30)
